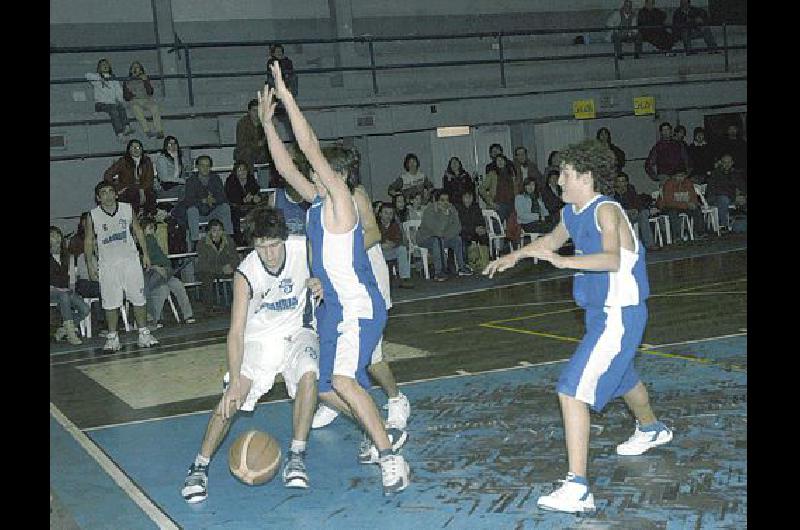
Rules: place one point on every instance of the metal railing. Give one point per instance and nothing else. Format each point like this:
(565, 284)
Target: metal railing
(501, 60)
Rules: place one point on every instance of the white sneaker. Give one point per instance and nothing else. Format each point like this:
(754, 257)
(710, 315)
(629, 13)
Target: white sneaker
(641, 441)
(112, 342)
(368, 453)
(294, 471)
(146, 339)
(570, 497)
(399, 411)
(323, 416)
(195, 487)
(394, 473)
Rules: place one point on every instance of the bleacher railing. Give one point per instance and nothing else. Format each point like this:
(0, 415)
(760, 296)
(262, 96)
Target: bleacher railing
(500, 60)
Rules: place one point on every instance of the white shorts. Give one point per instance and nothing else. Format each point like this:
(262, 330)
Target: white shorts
(118, 278)
(292, 356)
(377, 353)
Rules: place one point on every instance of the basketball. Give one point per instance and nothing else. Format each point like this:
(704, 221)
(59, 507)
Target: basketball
(254, 457)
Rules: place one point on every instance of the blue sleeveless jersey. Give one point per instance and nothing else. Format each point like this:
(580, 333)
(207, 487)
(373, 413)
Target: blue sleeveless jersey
(626, 287)
(340, 261)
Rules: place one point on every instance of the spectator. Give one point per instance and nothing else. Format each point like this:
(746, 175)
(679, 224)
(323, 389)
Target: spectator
(691, 23)
(411, 180)
(441, 229)
(732, 145)
(85, 287)
(242, 192)
(499, 188)
(276, 53)
(666, 156)
(108, 98)
(701, 159)
(216, 259)
(205, 199)
(623, 22)
(138, 90)
(651, 22)
(604, 135)
(532, 214)
(132, 176)
(72, 307)
(401, 212)
(494, 151)
(416, 207)
(551, 196)
(170, 170)
(678, 196)
(392, 245)
(251, 142)
(377, 206)
(473, 224)
(724, 184)
(524, 168)
(552, 165)
(456, 180)
(159, 281)
(625, 195)
(680, 135)
(294, 208)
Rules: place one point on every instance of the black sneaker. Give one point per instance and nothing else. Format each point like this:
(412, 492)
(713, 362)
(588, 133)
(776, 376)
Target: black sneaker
(294, 471)
(195, 487)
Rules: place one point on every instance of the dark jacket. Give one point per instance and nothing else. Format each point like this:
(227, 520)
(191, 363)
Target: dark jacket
(552, 202)
(665, 158)
(701, 161)
(658, 37)
(59, 273)
(125, 171)
(456, 185)
(721, 183)
(470, 218)
(211, 259)
(686, 20)
(251, 142)
(628, 200)
(196, 191)
(236, 193)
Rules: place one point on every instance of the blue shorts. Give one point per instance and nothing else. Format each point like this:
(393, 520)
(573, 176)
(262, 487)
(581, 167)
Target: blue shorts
(346, 344)
(601, 369)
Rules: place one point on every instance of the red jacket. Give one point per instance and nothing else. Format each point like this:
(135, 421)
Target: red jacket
(678, 195)
(126, 183)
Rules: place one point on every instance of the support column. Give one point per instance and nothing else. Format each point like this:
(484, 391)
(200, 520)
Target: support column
(347, 54)
(168, 63)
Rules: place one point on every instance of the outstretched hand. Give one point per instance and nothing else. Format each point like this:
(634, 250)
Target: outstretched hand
(501, 264)
(281, 91)
(266, 104)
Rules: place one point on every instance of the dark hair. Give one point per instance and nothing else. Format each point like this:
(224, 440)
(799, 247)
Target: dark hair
(265, 222)
(199, 158)
(110, 70)
(601, 129)
(521, 147)
(130, 69)
(408, 157)
(253, 103)
(530, 180)
(275, 46)
(698, 130)
(100, 185)
(624, 175)
(438, 192)
(240, 163)
(215, 222)
(127, 154)
(663, 123)
(591, 156)
(394, 201)
(344, 160)
(377, 206)
(449, 163)
(166, 153)
(495, 145)
(551, 158)
(680, 128)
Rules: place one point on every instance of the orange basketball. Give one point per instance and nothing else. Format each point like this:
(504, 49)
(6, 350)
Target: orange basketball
(254, 457)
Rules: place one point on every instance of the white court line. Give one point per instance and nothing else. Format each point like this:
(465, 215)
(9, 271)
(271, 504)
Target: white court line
(483, 308)
(153, 512)
(704, 293)
(542, 280)
(652, 347)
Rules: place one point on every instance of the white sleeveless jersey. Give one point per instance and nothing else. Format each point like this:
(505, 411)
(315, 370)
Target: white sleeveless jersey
(381, 271)
(279, 301)
(113, 234)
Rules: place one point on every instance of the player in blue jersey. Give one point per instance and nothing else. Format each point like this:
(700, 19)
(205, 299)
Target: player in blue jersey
(612, 287)
(351, 319)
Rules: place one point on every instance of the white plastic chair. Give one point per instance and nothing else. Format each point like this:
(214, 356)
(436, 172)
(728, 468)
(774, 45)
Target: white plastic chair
(410, 232)
(494, 236)
(530, 235)
(657, 195)
(710, 213)
(686, 222)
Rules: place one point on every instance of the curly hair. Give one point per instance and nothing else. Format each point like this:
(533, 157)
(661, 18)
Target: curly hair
(591, 156)
(265, 222)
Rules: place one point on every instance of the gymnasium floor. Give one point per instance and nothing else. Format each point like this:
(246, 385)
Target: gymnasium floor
(478, 360)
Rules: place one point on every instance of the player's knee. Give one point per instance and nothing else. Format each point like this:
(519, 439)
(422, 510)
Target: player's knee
(308, 379)
(342, 384)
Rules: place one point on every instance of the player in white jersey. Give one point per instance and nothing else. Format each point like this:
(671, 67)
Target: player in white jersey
(112, 227)
(353, 315)
(270, 333)
(398, 406)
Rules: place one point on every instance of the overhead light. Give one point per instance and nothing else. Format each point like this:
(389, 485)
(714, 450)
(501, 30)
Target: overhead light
(459, 130)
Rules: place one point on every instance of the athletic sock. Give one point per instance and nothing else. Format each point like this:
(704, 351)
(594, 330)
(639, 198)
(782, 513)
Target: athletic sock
(652, 427)
(298, 446)
(200, 460)
(577, 479)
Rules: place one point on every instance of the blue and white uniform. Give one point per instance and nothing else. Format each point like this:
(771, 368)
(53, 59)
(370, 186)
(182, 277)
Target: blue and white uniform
(352, 315)
(616, 313)
(277, 336)
(381, 272)
(294, 213)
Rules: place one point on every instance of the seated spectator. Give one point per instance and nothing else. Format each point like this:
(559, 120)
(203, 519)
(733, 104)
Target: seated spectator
(524, 167)
(732, 144)
(108, 98)
(392, 245)
(723, 186)
(623, 22)
(500, 187)
(690, 23)
(401, 210)
(473, 224)
(604, 135)
(138, 90)
(132, 176)
(701, 158)
(679, 134)
(416, 207)
(216, 259)
(551, 196)
(552, 165)
(678, 196)
(532, 214)
(625, 194)
(170, 170)
(456, 180)
(440, 229)
(666, 156)
(205, 199)
(251, 141)
(276, 53)
(651, 22)
(242, 192)
(494, 151)
(85, 287)
(294, 208)
(72, 307)
(159, 281)
(411, 180)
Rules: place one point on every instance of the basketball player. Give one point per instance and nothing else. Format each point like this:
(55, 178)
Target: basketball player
(109, 225)
(612, 287)
(269, 334)
(352, 317)
(398, 406)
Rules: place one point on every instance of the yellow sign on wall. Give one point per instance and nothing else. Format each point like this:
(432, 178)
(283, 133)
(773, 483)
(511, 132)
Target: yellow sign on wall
(644, 105)
(583, 109)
